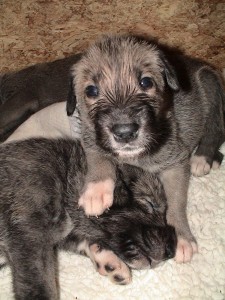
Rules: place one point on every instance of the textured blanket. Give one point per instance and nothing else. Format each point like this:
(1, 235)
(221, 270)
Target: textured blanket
(203, 278)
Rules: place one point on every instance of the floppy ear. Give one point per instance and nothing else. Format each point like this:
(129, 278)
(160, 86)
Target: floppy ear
(71, 99)
(170, 75)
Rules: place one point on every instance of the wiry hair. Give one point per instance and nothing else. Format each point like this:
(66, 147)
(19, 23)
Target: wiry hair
(149, 106)
(39, 214)
(115, 65)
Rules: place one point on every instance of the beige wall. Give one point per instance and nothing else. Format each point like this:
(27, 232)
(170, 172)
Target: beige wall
(43, 30)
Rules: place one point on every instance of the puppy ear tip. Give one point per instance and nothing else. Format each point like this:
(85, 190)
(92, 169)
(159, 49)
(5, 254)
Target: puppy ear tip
(68, 113)
(176, 89)
(174, 86)
(69, 110)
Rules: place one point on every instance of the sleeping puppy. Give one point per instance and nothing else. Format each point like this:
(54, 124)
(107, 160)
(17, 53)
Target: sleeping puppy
(148, 106)
(24, 92)
(40, 183)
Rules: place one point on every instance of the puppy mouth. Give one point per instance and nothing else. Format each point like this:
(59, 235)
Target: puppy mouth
(127, 148)
(129, 151)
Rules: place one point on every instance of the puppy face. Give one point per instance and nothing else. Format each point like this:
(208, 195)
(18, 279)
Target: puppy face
(121, 86)
(144, 239)
(147, 247)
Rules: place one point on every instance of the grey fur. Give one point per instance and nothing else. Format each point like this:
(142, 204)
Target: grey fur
(41, 181)
(181, 111)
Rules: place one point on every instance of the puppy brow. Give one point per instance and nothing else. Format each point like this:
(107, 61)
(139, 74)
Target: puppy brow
(96, 77)
(138, 73)
(87, 72)
(147, 65)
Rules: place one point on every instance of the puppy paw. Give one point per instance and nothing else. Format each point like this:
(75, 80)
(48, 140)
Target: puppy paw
(185, 250)
(97, 197)
(215, 165)
(110, 265)
(199, 166)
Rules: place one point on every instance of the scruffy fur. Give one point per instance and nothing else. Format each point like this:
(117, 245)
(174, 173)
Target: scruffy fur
(156, 128)
(40, 183)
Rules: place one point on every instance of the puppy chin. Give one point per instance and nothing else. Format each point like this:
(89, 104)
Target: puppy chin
(129, 152)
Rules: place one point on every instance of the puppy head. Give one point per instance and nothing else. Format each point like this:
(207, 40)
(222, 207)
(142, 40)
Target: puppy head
(135, 227)
(146, 246)
(138, 230)
(140, 239)
(122, 86)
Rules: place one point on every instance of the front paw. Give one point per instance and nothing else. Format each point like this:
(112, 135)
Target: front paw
(185, 250)
(199, 166)
(110, 265)
(97, 197)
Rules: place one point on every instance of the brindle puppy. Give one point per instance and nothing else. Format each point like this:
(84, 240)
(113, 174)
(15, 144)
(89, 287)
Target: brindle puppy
(147, 106)
(40, 183)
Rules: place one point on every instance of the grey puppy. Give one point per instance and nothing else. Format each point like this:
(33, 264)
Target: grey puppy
(150, 106)
(24, 92)
(40, 183)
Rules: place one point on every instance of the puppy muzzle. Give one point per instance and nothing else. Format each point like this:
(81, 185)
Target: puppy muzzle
(124, 133)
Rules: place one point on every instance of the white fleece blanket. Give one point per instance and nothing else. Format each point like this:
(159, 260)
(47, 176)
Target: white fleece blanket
(202, 279)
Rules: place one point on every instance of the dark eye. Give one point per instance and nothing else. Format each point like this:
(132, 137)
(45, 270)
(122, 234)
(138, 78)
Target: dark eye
(146, 83)
(91, 91)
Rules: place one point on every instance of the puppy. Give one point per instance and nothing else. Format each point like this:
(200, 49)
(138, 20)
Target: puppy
(24, 92)
(145, 105)
(41, 182)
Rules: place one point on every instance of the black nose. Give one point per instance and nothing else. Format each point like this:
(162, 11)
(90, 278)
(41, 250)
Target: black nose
(125, 132)
(169, 251)
(171, 243)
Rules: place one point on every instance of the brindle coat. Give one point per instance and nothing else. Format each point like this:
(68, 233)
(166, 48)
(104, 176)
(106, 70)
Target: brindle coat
(40, 183)
(145, 105)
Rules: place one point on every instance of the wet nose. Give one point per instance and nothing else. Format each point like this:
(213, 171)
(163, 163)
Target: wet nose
(125, 132)
(170, 251)
(171, 243)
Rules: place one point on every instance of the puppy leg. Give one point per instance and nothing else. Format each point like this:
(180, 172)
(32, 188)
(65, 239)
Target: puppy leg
(34, 269)
(107, 263)
(175, 182)
(207, 154)
(99, 187)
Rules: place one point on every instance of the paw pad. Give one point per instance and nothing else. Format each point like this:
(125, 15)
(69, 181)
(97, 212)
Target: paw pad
(110, 265)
